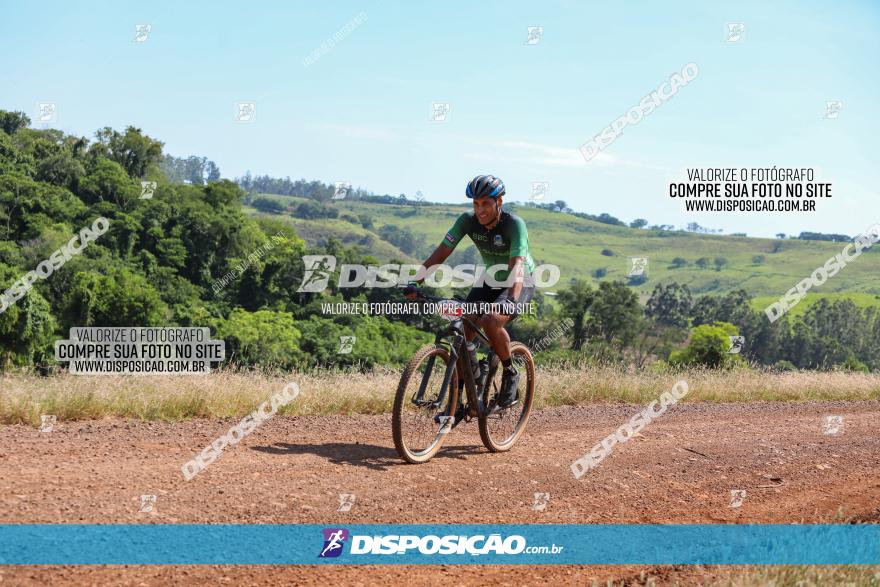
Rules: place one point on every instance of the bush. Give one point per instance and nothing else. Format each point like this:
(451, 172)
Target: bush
(679, 262)
(634, 280)
(852, 364)
(268, 205)
(707, 347)
(784, 365)
(608, 252)
(366, 221)
(315, 210)
(262, 337)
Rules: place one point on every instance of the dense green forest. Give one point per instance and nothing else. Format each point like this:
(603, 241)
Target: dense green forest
(190, 254)
(157, 262)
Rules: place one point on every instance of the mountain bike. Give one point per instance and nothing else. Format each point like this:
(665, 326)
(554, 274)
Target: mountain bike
(428, 404)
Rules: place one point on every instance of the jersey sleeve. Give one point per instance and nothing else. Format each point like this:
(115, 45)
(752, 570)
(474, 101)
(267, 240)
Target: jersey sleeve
(458, 231)
(519, 239)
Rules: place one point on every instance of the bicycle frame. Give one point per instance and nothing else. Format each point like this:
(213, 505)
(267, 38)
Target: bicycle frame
(457, 351)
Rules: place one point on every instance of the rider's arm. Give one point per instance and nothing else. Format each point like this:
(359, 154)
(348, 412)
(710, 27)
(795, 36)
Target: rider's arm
(516, 268)
(437, 257)
(519, 248)
(452, 238)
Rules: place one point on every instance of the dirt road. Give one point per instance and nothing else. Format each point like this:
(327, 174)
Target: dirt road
(681, 469)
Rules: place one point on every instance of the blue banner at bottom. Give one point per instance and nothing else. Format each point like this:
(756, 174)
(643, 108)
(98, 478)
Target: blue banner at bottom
(242, 544)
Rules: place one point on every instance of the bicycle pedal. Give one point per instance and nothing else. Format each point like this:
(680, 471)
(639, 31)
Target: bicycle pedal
(496, 409)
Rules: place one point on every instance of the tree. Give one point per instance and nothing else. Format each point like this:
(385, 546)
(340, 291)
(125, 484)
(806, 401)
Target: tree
(708, 346)
(26, 327)
(315, 210)
(609, 219)
(679, 262)
(366, 221)
(735, 308)
(665, 322)
(638, 223)
(780, 235)
(61, 169)
(212, 171)
(262, 337)
(670, 305)
(119, 298)
(10, 122)
(107, 180)
(575, 302)
(702, 262)
(194, 169)
(614, 313)
(719, 263)
(271, 206)
(134, 151)
(28, 206)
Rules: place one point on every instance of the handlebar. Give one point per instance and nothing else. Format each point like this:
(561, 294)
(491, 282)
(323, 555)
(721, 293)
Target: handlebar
(423, 296)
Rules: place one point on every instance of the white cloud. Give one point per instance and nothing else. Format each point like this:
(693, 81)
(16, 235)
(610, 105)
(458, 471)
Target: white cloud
(359, 132)
(551, 156)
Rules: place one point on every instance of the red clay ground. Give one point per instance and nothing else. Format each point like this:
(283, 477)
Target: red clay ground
(292, 470)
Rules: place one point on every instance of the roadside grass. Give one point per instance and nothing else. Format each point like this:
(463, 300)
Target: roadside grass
(227, 394)
(801, 576)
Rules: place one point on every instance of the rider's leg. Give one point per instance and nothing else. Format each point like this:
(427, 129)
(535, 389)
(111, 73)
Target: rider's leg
(469, 333)
(493, 325)
(478, 295)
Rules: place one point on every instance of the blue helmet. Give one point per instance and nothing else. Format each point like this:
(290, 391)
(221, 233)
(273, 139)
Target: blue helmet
(485, 185)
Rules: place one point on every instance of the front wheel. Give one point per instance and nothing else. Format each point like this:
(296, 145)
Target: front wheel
(500, 430)
(420, 421)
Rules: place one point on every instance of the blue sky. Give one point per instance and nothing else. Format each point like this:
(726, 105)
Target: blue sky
(361, 112)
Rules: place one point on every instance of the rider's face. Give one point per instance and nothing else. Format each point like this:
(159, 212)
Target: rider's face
(486, 209)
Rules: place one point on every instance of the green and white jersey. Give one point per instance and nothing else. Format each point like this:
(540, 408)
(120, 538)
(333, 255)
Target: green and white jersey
(508, 239)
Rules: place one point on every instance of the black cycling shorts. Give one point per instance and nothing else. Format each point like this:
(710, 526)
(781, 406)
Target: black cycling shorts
(489, 294)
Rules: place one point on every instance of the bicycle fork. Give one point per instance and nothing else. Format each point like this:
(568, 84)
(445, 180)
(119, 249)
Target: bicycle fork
(418, 398)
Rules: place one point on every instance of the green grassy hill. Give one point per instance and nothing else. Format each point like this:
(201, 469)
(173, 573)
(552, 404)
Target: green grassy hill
(316, 232)
(763, 267)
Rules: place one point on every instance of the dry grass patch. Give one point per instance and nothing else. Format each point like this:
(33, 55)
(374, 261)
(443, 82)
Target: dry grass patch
(24, 397)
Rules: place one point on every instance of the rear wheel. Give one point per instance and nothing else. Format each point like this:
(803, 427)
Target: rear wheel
(500, 429)
(419, 425)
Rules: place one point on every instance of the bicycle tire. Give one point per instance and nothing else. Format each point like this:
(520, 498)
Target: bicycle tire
(486, 421)
(402, 396)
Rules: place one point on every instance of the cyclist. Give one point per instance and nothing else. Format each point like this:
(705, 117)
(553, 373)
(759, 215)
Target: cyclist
(502, 239)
